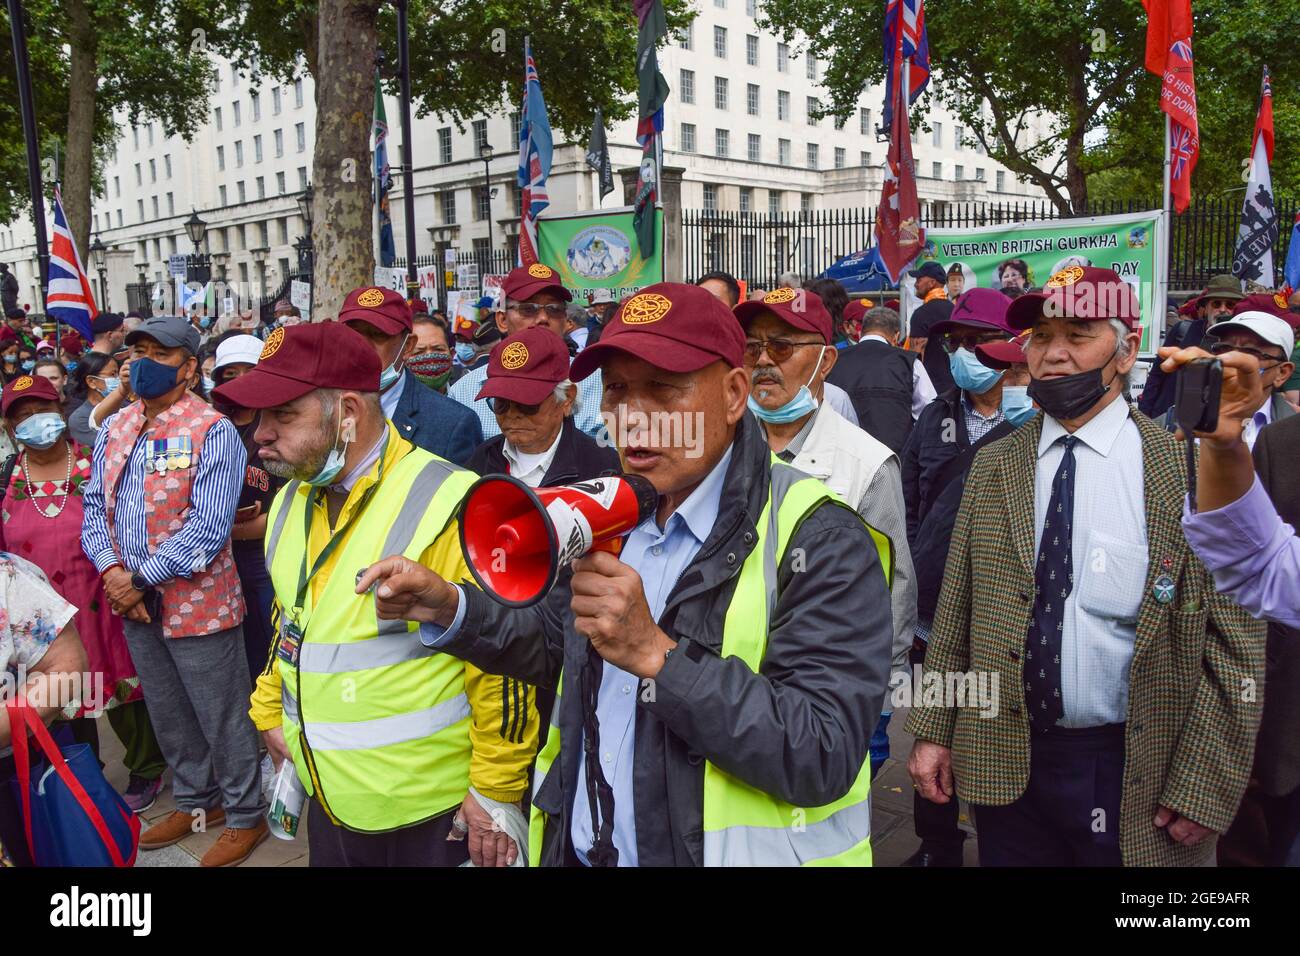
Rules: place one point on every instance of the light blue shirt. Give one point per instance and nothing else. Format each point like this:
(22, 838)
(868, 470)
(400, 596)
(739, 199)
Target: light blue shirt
(587, 418)
(390, 398)
(659, 557)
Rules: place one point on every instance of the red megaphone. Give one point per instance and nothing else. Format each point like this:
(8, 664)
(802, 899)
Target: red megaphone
(517, 538)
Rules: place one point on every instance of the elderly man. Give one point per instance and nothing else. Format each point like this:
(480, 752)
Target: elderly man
(1215, 303)
(719, 680)
(530, 393)
(575, 327)
(789, 353)
(1270, 341)
(425, 418)
(1115, 738)
(397, 746)
(158, 513)
(530, 296)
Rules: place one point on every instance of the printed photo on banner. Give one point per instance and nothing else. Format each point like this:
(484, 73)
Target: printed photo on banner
(599, 250)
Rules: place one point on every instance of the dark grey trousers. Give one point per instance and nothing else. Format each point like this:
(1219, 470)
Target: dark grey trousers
(196, 689)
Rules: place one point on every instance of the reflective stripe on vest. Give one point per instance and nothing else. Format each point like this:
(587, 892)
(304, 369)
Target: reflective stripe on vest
(377, 723)
(744, 826)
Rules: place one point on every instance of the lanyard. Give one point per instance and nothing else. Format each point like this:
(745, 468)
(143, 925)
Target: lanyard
(304, 576)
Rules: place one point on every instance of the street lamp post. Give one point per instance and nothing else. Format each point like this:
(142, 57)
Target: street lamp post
(485, 153)
(408, 170)
(306, 250)
(97, 253)
(259, 257)
(197, 269)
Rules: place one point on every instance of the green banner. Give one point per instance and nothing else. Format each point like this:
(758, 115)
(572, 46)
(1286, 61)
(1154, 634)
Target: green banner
(1125, 243)
(598, 250)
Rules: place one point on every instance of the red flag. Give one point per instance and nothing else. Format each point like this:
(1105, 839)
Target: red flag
(899, 236)
(1264, 119)
(1169, 54)
(1167, 21)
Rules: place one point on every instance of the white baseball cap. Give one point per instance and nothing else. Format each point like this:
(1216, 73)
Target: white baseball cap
(238, 348)
(1270, 328)
(601, 296)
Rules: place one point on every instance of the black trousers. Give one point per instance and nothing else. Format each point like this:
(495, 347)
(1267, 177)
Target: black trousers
(424, 844)
(1069, 812)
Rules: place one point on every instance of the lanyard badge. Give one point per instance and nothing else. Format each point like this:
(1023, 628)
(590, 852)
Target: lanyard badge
(290, 642)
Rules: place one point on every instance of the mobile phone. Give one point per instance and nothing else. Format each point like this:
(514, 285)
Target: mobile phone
(245, 513)
(153, 604)
(1197, 396)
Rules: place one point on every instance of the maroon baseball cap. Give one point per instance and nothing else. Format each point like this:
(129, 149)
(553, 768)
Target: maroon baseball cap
(298, 359)
(797, 307)
(27, 386)
(1080, 293)
(857, 309)
(526, 367)
(979, 309)
(1003, 355)
(675, 327)
(385, 309)
(1274, 303)
(524, 282)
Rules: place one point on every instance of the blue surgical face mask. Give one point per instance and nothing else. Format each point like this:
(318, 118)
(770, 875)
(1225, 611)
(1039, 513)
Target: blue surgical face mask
(150, 379)
(29, 365)
(802, 404)
(205, 322)
(111, 384)
(1016, 404)
(970, 374)
(70, 366)
(465, 351)
(333, 464)
(390, 375)
(40, 431)
(208, 385)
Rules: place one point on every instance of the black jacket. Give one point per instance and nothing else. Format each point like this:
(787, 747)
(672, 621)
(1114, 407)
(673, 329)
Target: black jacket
(878, 379)
(799, 729)
(577, 458)
(1159, 391)
(935, 358)
(939, 436)
(436, 423)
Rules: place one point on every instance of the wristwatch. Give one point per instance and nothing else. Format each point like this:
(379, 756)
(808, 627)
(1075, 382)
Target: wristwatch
(138, 582)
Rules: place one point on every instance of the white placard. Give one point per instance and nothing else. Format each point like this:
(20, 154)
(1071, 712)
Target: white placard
(300, 296)
(391, 278)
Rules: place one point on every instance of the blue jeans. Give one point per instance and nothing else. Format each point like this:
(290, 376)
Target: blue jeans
(255, 580)
(880, 745)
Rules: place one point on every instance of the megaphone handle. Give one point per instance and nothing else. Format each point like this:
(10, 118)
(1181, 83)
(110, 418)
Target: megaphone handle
(612, 545)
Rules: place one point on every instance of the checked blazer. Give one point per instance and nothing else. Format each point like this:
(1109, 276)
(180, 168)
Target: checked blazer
(1195, 681)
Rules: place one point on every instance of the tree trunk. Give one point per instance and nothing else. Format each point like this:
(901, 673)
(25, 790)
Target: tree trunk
(79, 161)
(342, 211)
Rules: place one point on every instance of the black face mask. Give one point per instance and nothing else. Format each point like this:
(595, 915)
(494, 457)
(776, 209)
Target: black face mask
(1070, 396)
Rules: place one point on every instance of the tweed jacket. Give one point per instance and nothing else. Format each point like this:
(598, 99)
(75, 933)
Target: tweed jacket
(1195, 681)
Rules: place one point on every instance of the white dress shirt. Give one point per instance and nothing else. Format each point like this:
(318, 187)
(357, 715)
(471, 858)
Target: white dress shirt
(1263, 415)
(1110, 559)
(923, 392)
(530, 468)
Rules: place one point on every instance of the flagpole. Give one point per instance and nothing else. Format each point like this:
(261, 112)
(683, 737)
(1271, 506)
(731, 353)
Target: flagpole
(1166, 238)
(27, 104)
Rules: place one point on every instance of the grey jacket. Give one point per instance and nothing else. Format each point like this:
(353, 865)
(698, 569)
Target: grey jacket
(798, 730)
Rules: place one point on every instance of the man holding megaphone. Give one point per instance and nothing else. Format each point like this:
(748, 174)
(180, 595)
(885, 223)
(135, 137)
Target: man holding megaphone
(718, 680)
(404, 751)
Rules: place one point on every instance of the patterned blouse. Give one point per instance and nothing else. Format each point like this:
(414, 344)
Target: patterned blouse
(52, 490)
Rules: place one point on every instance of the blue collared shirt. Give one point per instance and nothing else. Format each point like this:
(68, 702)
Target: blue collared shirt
(660, 557)
(390, 398)
(218, 480)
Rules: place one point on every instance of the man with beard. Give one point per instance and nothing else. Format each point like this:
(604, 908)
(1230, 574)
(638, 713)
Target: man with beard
(404, 751)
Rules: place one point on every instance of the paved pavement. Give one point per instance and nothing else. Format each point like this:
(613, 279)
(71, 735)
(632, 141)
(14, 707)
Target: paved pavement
(893, 839)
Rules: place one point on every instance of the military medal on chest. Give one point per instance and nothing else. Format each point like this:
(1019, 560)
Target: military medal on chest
(1164, 588)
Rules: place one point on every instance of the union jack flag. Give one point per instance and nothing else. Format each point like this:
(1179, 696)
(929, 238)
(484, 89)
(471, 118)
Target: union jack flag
(1181, 50)
(1182, 144)
(905, 37)
(534, 158)
(68, 297)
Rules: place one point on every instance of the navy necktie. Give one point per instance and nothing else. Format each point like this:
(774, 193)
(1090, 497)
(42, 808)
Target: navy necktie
(1053, 582)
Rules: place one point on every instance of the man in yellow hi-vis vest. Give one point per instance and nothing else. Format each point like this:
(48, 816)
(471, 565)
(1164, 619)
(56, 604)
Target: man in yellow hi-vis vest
(719, 680)
(399, 746)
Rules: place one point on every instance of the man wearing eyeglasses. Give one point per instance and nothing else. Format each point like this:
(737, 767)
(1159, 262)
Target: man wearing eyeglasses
(531, 297)
(1216, 302)
(1270, 341)
(423, 417)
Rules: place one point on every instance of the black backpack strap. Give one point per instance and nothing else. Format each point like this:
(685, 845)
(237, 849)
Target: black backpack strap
(7, 472)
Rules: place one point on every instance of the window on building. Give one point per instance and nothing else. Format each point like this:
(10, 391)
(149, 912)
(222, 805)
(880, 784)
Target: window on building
(221, 194)
(279, 143)
(300, 130)
(167, 165)
(1001, 181)
(275, 101)
(958, 135)
(261, 187)
(155, 206)
(153, 170)
(117, 187)
(754, 148)
(234, 112)
(751, 99)
(710, 198)
(302, 177)
(720, 88)
(255, 102)
(936, 170)
(864, 158)
(773, 202)
(782, 104)
(139, 178)
(447, 200)
(282, 227)
(216, 115)
(720, 4)
(812, 66)
(782, 58)
(721, 142)
(751, 50)
(119, 218)
(812, 156)
(688, 137)
(958, 171)
(805, 202)
(149, 130)
(480, 136)
(135, 136)
(979, 174)
(839, 157)
(234, 75)
(936, 137)
(171, 204)
(139, 208)
(264, 233)
(239, 153)
(746, 199)
(444, 145)
(864, 121)
(279, 183)
(686, 38)
(241, 191)
(297, 93)
(686, 88)
(812, 106)
(516, 124)
(257, 148)
(783, 152)
(483, 205)
(720, 42)
(751, 8)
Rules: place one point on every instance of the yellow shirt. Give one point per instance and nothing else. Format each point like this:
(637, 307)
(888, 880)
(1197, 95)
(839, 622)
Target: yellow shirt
(503, 711)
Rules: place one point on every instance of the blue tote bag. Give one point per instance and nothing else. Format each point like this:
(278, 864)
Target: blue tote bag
(71, 814)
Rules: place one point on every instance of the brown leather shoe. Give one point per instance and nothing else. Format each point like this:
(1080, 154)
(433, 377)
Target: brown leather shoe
(176, 826)
(234, 846)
